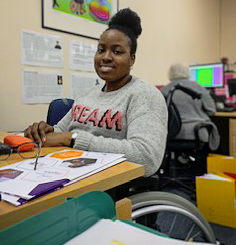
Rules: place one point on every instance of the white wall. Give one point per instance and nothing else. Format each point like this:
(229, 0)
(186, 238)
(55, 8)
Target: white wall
(228, 33)
(173, 30)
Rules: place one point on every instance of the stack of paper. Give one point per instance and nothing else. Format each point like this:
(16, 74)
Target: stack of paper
(121, 233)
(19, 182)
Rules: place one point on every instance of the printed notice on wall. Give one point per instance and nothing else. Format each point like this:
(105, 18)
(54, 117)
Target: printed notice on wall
(41, 86)
(81, 84)
(82, 55)
(42, 50)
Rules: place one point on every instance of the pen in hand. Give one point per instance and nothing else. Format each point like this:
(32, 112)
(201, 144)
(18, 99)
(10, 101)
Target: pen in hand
(36, 163)
(37, 156)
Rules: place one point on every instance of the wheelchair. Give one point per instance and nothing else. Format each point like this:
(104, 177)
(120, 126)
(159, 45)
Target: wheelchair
(163, 211)
(171, 214)
(166, 212)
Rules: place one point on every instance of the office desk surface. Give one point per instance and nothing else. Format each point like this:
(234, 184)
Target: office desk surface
(225, 114)
(104, 180)
(226, 124)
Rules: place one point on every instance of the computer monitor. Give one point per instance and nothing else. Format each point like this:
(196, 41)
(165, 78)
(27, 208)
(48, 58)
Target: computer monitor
(232, 86)
(208, 75)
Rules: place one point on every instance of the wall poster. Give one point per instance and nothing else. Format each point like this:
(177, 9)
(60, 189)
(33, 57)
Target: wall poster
(87, 18)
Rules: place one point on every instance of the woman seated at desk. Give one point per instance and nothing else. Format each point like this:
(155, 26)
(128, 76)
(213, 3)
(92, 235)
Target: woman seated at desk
(193, 112)
(125, 116)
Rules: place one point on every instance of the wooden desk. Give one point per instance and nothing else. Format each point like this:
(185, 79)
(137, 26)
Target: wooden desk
(226, 124)
(104, 180)
(226, 114)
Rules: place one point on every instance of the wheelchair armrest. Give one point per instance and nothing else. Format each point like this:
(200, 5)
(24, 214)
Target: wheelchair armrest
(197, 128)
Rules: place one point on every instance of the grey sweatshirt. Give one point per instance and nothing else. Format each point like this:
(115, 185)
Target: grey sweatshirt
(131, 120)
(194, 111)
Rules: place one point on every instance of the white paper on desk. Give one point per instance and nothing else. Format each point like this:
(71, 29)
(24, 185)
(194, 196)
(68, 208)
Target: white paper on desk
(96, 171)
(16, 201)
(108, 232)
(25, 179)
(214, 176)
(11, 199)
(52, 169)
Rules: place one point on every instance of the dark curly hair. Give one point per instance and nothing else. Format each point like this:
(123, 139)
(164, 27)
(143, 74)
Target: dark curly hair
(128, 22)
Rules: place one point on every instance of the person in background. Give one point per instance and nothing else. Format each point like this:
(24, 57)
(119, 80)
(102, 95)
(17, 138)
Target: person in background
(126, 115)
(192, 111)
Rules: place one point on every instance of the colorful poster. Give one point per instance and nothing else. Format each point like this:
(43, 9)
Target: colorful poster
(93, 10)
(87, 18)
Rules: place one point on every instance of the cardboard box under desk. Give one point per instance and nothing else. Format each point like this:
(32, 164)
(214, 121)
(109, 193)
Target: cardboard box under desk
(216, 197)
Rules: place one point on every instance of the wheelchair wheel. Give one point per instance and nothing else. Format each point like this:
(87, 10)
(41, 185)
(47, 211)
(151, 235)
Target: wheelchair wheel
(172, 215)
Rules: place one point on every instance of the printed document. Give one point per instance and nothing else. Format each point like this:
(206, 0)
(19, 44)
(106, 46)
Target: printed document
(19, 182)
(41, 86)
(109, 232)
(42, 50)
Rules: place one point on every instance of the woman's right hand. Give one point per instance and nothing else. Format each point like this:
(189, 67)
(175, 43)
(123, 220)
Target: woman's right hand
(38, 131)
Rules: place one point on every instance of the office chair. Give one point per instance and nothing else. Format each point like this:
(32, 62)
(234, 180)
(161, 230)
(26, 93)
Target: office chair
(184, 159)
(57, 110)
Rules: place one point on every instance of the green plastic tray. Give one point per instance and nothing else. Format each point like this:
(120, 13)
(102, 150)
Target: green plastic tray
(61, 223)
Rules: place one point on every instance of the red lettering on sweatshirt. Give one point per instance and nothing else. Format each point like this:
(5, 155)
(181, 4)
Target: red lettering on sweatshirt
(93, 117)
(75, 112)
(83, 115)
(111, 121)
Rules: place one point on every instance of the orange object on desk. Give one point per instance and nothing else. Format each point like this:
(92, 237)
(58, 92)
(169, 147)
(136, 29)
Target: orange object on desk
(17, 140)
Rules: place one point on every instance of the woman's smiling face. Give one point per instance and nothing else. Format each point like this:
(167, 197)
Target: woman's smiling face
(113, 59)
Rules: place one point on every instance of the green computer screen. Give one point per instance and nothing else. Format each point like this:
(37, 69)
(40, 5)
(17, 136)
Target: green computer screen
(207, 75)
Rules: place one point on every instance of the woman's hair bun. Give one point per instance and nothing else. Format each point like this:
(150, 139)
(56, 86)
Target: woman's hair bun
(128, 19)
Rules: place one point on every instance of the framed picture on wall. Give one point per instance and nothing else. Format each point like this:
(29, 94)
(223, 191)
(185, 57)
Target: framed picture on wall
(86, 18)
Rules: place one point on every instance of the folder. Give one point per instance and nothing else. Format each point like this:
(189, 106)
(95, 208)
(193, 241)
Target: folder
(216, 195)
(221, 163)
